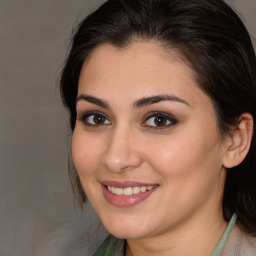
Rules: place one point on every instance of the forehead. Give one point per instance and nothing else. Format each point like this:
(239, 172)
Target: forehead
(148, 53)
(138, 70)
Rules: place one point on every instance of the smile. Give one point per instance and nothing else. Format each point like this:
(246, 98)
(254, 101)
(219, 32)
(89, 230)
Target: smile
(126, 194)
(129, 190)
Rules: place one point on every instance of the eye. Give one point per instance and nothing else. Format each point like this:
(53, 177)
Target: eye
(159, 120)
(94, 119)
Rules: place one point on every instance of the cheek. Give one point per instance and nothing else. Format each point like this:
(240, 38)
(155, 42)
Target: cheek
(186, 154)
(85, 153)
(87, 158)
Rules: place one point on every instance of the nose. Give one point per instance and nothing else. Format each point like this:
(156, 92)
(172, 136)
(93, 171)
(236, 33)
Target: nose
(122, 152)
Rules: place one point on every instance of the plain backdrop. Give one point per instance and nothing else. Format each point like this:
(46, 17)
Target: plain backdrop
(37, 211)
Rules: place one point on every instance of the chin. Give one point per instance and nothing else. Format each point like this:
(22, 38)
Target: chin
(127, 234)
(126, 229)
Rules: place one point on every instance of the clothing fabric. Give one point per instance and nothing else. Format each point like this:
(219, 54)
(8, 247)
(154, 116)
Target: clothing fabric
(233, 243)
(239, 244)
(111, 246)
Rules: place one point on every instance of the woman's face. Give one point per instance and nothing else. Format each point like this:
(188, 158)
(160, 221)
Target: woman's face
(146, 143)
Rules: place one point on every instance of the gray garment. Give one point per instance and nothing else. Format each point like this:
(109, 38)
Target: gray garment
(239, 244)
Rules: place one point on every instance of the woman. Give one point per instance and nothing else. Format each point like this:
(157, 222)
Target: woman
(162, 101)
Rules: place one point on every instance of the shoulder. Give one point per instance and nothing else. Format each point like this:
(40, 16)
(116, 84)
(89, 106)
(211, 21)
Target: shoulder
(239, 244)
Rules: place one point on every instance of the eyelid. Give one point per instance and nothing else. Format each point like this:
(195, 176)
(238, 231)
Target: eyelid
(85, 115)
(152, 114)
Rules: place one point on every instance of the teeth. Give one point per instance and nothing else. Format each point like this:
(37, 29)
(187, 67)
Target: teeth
(143, 189)
(136, 190)
(118, 191)
(129, 190)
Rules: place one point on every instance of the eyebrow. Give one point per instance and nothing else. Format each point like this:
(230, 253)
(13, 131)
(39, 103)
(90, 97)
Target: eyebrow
(143, 102)
(158, 98)
(93, 100)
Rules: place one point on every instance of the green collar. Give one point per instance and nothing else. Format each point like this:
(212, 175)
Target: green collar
(219, 248)
(113, 246)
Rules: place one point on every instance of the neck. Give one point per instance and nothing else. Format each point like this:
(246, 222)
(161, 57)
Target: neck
(195, 237)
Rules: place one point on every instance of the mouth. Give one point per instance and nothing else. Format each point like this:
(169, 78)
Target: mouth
(125, 194)
(129, 190)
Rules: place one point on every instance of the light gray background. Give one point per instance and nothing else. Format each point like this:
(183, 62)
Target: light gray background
(37, 213)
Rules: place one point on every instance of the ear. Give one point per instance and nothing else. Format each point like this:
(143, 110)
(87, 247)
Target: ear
(239, 141)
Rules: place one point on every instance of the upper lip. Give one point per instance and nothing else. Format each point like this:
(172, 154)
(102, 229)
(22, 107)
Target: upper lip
(125, 184)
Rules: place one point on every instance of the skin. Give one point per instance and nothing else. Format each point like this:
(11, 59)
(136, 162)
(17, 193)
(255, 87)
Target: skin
(184, 159)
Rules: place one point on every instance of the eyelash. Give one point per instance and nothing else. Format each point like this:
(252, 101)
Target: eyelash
(86, 116)
(169, 119)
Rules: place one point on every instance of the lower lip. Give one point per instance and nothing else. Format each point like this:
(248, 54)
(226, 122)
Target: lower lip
(126, 201)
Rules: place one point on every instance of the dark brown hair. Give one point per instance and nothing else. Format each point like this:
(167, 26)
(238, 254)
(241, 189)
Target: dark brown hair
(213, 41)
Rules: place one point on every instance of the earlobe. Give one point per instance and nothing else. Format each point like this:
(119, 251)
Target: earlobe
(239, 141)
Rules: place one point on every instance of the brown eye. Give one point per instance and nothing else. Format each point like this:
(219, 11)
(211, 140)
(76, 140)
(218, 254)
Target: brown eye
(94, 119)
(99, 119)
(160, 120)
